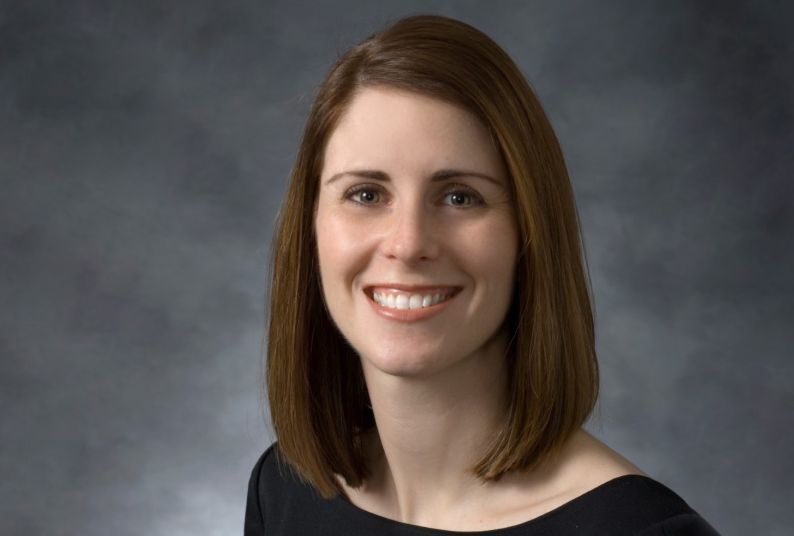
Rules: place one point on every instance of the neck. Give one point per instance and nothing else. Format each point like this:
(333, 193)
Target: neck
(432, 430)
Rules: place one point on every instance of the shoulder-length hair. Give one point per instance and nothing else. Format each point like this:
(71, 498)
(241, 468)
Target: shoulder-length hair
(318, 398)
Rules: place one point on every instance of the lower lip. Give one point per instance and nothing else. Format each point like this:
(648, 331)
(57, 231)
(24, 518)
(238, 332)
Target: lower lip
(409, 315)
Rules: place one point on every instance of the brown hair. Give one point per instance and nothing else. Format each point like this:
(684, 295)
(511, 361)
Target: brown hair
(318, 398)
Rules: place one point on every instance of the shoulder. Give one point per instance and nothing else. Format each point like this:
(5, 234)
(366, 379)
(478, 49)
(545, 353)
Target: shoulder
(636, 504)
(279, 501)
(617, 497)
(269, 477)
(586, 463)
(254, 511)
(271, 473)
(594, 487)
(269, 466)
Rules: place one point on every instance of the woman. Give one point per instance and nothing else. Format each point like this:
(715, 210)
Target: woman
(431, 354)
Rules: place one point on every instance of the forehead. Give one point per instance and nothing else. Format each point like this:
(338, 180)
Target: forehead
(398, 130)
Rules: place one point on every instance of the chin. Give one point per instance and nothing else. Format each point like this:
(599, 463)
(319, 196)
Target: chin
(402, 364)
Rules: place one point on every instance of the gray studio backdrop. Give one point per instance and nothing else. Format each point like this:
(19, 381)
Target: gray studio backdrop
(144, 149)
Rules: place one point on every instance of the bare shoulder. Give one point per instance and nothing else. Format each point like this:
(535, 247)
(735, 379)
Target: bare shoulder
(584, 464)
(589, 462)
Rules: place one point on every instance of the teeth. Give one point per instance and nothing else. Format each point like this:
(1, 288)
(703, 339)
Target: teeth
(407, 301)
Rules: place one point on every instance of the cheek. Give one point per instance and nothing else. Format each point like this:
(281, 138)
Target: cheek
(492, 249)
(340, 244)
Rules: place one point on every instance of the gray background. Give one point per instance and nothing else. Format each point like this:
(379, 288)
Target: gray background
(144, 150)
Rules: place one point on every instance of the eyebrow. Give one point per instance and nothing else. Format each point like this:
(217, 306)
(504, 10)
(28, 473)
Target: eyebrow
(440, 175)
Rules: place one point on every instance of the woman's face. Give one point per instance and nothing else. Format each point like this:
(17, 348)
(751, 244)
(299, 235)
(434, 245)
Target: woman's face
(416, 237)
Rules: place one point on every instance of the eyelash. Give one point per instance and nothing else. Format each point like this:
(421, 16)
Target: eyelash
(476, 199)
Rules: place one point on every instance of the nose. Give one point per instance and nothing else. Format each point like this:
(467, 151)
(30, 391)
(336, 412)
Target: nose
(410, 236)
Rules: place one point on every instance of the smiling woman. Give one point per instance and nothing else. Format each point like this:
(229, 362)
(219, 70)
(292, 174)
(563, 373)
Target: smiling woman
(431, 354)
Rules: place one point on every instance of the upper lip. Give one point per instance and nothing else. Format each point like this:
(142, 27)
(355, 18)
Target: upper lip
(412, 288)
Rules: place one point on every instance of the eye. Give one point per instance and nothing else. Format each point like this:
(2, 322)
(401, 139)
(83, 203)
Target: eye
(363, 194)
(462, 196)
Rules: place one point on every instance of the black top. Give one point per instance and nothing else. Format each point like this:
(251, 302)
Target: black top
(280, 504)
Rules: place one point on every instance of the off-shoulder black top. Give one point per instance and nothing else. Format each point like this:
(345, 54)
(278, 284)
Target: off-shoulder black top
(280, 504)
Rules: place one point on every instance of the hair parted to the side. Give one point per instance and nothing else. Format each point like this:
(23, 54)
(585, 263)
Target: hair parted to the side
(317, 394)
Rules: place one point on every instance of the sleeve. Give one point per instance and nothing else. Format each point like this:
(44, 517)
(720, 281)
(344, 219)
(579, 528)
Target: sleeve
(690, 524)
(254, 516)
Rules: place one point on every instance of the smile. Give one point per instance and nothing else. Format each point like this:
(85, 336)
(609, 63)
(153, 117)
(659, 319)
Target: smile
(410, 304)
(401, 300)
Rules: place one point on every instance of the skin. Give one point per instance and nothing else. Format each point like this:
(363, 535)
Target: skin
(391, 212)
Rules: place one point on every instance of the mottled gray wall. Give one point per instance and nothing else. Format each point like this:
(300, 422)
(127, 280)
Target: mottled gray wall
(144, 148)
